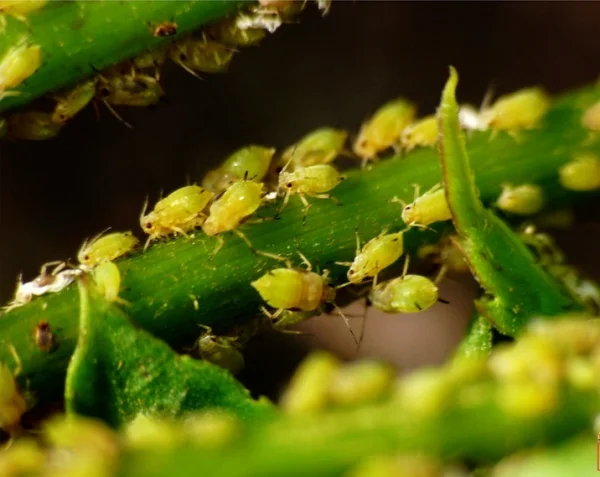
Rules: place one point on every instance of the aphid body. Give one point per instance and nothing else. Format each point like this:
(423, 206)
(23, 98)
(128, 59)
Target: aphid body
(294, 289)
(361, 382)
(422, 133)
(251, 162)
(108, 281)
(405, 294)
(201, 55)
(44, 339)
(18, 64)
(264, 18)
(313, 181)
(239, 201)
(377, 254)
(384, 129)
(524, 199)
(318, 147)
(165, 29)
(228, 33)
(179, 212)
(428, 208)
(106, 248)
(220, 350)
(581, 174)
(520, 110)
(75, 100)
(130, 90)
(32, 126)
(591, 117)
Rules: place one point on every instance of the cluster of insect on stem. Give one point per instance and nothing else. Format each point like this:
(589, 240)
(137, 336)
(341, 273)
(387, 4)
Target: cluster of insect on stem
(134, 82)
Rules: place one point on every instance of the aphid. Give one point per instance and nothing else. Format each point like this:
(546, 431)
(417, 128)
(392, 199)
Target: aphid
(165, 29)
(261, 19)
(520, 110)
(107, 279)
(307, 392)
(422, 133)
(324, 6)
(405, 294)
(426, 209)
(250, 161)
(21, 457)
(32, 126)
(470, 119)
(312, 181)
(318, 147)
(178, 213)
(223, 351)
(289, 318)
(18, 64)
(591, 117)
(210, 429)
(12, 403)
(201, 55)
(524, 199)
(581, 174)
(384, 129)
(444, 253)
(228, 33)
(44, 283)
(151, 59)
(73, 101)
(129, 90)
(360, 382)
(377, 254)
(42, 334)
(106, 248)
(226, 213)
(296, 289)
(20, 8)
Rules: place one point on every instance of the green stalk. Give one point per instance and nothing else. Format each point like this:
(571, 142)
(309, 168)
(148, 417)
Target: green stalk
(78, 38)
(174, 286)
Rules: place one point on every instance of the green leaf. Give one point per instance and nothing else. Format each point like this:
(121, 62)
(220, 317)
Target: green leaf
(118, 371)
(517, 288)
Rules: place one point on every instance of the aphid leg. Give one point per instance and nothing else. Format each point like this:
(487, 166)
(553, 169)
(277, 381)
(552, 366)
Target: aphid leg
(15, 356)
(220, 243)
(286, 199)
(271, 316)
(245, 239)
(441, 274)
(406, 262)
(305, 261)
(179, 230)
(397, 200)
(116, 115)
(189, 70)
(275, 257)
(307, 206)
(339, 312)
(150, 238)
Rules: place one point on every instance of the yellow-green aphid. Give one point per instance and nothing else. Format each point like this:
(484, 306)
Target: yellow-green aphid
(312, 181)
(591, 117)
(228, 33)
(83, 437)
(318, 147)
(12, 403)
(251, 162)
(213, 429)
(32, 126)
(106, 248)
(73, 101)
(20, 8)
(360, 382)
(129, 90)
(426, 209)
(150, 60)
(520, 110)
(446, 254)
(179, 212)
(289, 318)
(384, 129)
(23, 457)
(220, 350)
(108, 281)
(18, 64)
(422, 133)
(581, 174)
(201, 55)
(377, 254)
(524, 199)
(405, 294)
(307, 392)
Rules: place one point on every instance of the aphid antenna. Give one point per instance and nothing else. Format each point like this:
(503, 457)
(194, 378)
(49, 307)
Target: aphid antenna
(345, 318)
(116, 115)
(488, 96)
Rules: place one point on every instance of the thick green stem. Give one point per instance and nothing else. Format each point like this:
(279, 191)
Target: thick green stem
(175, 286)
(79, 38)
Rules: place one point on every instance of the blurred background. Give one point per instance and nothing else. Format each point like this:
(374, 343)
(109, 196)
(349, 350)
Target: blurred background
(330, 71)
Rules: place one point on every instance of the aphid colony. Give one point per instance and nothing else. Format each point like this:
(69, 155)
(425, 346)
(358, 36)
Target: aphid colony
(134, 82)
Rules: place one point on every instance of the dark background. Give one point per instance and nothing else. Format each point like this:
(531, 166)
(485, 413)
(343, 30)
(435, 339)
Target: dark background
(332, 71)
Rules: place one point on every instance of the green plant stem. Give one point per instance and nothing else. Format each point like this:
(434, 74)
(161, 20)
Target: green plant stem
(174, 286)
(79, 38)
